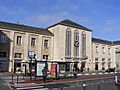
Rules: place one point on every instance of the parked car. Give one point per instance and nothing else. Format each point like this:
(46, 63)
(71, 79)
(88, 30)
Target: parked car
(110, 70)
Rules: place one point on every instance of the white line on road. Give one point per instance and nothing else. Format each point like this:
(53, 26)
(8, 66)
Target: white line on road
(87, 74)
(93, 73)
(22, 88)
(41, 89)
(100, 73)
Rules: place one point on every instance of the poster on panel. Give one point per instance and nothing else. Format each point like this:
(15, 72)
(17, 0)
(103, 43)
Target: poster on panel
(53, 70)
(40, 66)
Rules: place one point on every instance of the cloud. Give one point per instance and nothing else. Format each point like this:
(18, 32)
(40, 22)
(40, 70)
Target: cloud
(16, 11)
(110, 26)
(51, 18)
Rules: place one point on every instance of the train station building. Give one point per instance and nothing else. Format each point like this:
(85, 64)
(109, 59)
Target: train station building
(66, 44)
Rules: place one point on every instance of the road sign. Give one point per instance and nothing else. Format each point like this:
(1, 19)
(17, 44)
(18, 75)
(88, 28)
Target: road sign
(31, 54)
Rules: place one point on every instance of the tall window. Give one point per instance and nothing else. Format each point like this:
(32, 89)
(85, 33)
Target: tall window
(3, 54)
(46, 43)
(96, 49)
(3, 38)
(103, 50)
(109, 51)
(109, 63)
(33, 41)
(83, 44)
(19, 40)
(18, 55)
(76, 43)
(68, 43)
(103, 63)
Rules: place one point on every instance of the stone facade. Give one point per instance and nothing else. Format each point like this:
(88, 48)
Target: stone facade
(66, 44)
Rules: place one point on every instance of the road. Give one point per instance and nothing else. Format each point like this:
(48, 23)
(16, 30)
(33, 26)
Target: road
(99, 84)
(74, 84)
(4, 85)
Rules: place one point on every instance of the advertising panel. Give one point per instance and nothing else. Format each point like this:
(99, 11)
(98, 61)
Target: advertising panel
(40, 66)
(53, 70)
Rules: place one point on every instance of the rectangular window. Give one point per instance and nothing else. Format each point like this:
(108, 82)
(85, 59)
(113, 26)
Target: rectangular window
(109, 62)
(45, 57)
(96, 49)
(18, 55)
(33, 41)
(3, 39)
(109, 51)
(19, 40)
(96, 59)
(103, 50)
(3, 54)
(45, 43)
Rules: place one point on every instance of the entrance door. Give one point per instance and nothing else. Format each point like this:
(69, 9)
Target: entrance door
(96, 66)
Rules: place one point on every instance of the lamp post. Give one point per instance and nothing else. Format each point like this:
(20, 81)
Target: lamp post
(31, 68)
(12, 69)
(31, 55)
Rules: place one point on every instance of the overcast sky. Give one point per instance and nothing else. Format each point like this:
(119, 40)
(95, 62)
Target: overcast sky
(101, 16)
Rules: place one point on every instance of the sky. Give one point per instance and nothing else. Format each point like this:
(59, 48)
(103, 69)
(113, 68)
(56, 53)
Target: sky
(101, 16)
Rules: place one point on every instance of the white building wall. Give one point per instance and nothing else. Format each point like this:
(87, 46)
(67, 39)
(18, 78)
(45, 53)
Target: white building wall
(100, 55)
(59, 41)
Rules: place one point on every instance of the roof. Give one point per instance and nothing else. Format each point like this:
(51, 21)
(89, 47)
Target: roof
(96, 40)
(24, 28)
(71, 24)
(116, 42)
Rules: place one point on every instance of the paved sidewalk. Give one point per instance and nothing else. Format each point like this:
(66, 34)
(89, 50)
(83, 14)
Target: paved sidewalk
(60, 81)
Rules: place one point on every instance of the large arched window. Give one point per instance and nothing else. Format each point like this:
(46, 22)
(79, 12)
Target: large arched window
(76, 43)
(68, 43)
(83, 44)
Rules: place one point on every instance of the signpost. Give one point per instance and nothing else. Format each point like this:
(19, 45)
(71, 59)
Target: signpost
(31, 54)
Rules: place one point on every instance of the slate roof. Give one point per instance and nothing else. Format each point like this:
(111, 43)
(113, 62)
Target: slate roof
(71, 24)
(24, 28)
(116, 42)
(96, 40)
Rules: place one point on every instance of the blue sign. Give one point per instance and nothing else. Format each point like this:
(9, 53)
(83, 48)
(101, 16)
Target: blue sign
(31, 54)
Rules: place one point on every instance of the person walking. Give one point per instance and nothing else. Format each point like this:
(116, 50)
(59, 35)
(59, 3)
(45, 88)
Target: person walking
(44, 72)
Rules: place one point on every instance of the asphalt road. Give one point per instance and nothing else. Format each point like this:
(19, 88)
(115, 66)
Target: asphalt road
(4, 85)
(100, 84)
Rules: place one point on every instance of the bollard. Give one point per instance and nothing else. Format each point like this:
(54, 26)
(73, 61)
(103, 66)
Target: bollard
(98, 86)
(23, 76)
(84, 86)
(12, 76)
(17, 78)
(116, 79)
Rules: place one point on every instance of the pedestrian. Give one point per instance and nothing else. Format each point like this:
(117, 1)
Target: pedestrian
(44, 72)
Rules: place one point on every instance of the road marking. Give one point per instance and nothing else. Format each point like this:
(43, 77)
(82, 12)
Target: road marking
(41, 89)
(100, 73)
(93, 73)
(106, 73)
(29, 87)
(79, 74)
(111, 72)
(86, 73)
